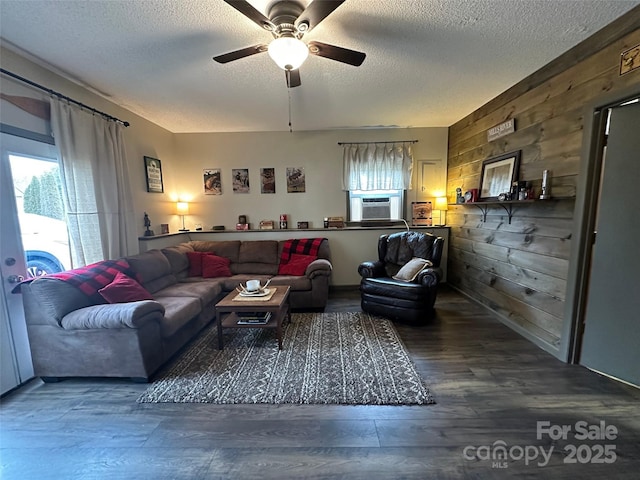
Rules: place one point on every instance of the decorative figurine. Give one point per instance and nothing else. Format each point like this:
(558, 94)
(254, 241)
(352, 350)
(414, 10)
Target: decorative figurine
(459, 197)
(147, 224)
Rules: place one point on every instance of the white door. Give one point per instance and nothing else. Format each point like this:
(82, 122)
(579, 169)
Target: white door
(15, 352)
(430, 179)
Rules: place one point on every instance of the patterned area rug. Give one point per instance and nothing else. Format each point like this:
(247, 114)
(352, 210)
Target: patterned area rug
(327, 358)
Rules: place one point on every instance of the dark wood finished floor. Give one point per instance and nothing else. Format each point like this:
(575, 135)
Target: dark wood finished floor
(491, 385)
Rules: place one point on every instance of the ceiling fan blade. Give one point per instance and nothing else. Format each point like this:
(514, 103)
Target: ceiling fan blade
(251, 13)
(317, 11)
(339, 54)
(293, 78)
(238, 54)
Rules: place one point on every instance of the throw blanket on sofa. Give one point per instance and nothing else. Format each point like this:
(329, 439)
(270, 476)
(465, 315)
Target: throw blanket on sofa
(91, 278)
(302, 246)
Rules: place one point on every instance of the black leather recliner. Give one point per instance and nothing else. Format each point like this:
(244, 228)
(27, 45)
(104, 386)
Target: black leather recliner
(406, 301)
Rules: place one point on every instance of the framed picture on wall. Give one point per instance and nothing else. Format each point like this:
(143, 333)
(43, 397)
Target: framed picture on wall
(153, 174)
(212, 181)
(498, 174)
(296, 182)
(268, 180)
(240, 178)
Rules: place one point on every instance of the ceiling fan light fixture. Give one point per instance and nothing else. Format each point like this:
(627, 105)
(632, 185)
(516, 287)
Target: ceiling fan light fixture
(288, 52)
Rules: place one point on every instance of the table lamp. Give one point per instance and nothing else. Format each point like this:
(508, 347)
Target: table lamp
(441, 205)
(182, 208)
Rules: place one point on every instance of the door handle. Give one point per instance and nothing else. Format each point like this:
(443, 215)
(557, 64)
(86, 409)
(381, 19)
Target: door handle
(15, 278)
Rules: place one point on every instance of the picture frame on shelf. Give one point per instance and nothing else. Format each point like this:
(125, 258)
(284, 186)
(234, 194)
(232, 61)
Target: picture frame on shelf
(498, 174)
(303, 225)
(267, 225)
(153, 174)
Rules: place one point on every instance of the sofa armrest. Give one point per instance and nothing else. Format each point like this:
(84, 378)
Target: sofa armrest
(429, 276)
(115, 315)
(318, 267)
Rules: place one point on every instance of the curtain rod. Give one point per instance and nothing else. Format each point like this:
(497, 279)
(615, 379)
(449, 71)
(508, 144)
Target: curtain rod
(371, 143)
(64, 97)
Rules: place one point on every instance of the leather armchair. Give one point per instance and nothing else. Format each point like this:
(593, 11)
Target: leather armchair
(406, 301)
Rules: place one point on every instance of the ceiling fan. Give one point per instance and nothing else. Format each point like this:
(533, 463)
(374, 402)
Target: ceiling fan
(288, 22)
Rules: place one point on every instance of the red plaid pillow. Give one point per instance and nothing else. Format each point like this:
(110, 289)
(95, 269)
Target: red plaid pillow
(296, 265)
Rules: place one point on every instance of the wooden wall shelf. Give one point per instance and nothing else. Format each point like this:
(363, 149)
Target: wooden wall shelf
(507, 205)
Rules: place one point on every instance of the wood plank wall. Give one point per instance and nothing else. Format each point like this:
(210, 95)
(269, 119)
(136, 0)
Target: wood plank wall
(520, 270)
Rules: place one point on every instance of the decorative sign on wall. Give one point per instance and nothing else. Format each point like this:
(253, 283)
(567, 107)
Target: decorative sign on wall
(153, 173)
(421, 213)
(630, 60)
(501, 130)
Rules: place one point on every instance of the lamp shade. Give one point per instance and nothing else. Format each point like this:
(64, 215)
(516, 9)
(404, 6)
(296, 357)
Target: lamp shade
(441, 203)
(288, 52)
(182, 208)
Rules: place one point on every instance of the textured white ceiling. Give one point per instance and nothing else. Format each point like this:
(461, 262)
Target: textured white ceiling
(429, 62)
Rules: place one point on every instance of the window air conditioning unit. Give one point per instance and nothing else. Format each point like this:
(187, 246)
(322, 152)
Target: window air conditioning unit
(376, 208)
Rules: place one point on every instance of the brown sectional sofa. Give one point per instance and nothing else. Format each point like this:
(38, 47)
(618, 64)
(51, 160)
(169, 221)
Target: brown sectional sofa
(71, 336)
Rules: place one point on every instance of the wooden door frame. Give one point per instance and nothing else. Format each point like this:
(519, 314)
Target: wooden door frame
(587, 190)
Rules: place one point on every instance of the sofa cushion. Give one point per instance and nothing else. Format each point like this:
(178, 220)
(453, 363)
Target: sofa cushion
(153, 269)
(178, 311)
(259, 251)
(177, 256)
(206, 290)
(254, 268)
(296, 282)
(230, 283)
(297, 264)
(215, 266)
(229, 248)
(124, 289)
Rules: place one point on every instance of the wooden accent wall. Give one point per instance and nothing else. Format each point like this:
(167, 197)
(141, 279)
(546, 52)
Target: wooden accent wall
(520, 270)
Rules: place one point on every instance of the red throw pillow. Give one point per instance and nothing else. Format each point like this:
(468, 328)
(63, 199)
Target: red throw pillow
(215, 266)
(296, 265)
(124, 289)
(195, 263)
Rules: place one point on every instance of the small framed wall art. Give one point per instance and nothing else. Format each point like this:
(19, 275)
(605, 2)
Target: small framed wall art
(153, 174)
(296, 182)
(267, 180)
(212, 181)
(240, 180)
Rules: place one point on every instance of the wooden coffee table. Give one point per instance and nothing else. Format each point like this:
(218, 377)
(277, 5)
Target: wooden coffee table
(278, 305)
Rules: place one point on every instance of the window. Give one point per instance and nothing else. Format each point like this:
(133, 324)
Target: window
(43, 228)
(375, 205)
(376, 176)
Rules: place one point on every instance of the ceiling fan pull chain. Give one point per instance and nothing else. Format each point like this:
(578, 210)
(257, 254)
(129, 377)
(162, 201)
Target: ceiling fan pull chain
(290, 125)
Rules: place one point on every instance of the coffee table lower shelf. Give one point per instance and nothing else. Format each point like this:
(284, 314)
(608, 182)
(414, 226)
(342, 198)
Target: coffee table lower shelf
(278, 305)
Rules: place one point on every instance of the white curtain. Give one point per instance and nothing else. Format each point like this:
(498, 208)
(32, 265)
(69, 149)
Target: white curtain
(380, 166)
(95, 184)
